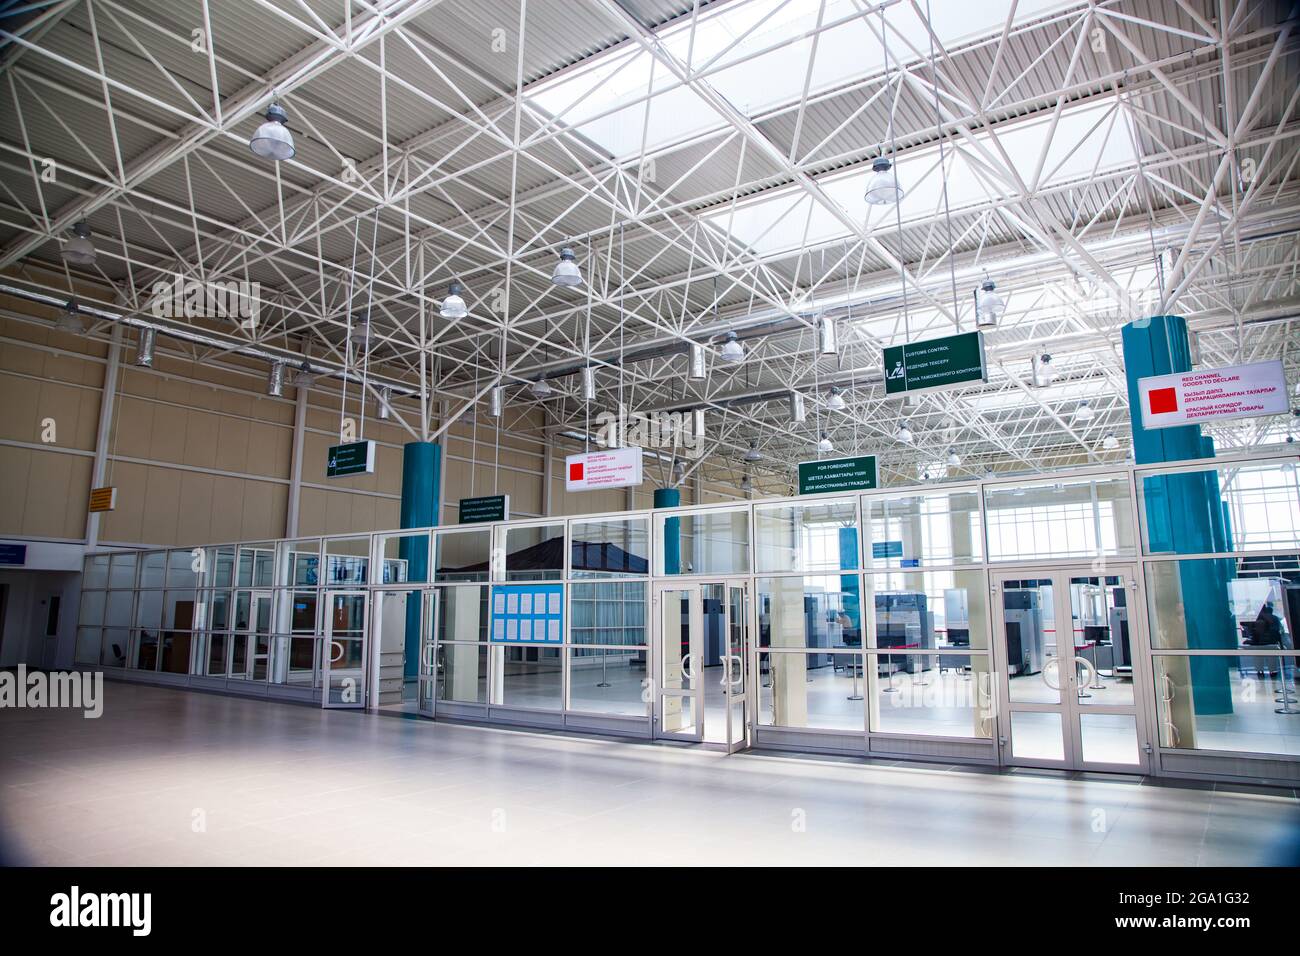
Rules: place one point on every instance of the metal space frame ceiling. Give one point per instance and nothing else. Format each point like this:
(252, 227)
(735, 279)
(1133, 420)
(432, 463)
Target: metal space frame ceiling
(707, 161)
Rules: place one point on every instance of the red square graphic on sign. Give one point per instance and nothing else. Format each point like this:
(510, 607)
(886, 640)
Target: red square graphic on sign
(575, 471)
(1162, 400)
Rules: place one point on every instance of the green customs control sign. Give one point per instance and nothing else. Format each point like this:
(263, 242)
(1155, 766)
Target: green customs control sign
(935, 363)
(354, 458)
(837, 474)
(488, 508)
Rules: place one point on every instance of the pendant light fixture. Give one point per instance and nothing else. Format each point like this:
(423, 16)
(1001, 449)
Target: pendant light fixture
(732, 351)
(566, 271)
(360, 333)
(1043, 373)
(679, 470)
(305, 377)
(453, 307)
(989, 306)
(144, 348)
(541, 388)
(746, 485)
(273, 139)
(1083, 412)
(836, 401)
(904, 434)
(882, 184)
(753, 453)
(70, 319)
(79, 250)
(1110, 442)
(954, 459)
(825, 444)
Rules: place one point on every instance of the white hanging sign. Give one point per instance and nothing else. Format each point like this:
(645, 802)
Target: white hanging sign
(609, 468)
(1216, 394)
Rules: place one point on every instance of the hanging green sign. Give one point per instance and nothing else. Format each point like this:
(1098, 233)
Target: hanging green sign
(935, 363)
(838, 474)
(488, 508)
(354, 458)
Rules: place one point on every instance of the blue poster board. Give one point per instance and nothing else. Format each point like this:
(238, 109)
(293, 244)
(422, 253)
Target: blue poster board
(528, 614)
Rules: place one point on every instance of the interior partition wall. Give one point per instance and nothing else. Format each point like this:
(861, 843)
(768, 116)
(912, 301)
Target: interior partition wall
(1044, 620)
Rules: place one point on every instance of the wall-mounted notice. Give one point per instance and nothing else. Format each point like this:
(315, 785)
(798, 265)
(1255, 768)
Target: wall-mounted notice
(354, 458)
(1214, 394)
(935, 363)
(612, 468)
(528, 614)
(487, 508)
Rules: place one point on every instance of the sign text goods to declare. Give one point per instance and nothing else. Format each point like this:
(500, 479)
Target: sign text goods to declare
(837, 474)
(488, 508)
(103, 499)
(935, 363)
(1213, 394)
(354, 458)
(611, 468)
(528, 613)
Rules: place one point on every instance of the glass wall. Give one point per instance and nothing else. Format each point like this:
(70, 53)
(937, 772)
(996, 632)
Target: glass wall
(1058, 519)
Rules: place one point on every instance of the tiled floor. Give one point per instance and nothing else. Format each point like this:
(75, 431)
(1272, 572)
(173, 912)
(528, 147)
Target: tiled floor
(170, 777)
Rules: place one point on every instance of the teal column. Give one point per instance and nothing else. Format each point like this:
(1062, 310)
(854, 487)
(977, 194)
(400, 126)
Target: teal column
(421, 471)
(849, 582)
(1185, 513)
(671, 498)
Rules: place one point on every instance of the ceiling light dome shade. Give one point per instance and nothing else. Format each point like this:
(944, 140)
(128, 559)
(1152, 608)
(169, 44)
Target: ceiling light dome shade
(566, 270)
(541, 389)
(904, 434)
(836, 401)
(79, 250)
(882, 184)
(753, 453)
(1083, 412)
(70, 320)
(273, 139)
(732, 350)
(825, 443)
(305, 376)
(453, 307)
(954, 459)
(360, 333)
(989, 306)
(1043, 373)
(1110, 442)
(746, 484)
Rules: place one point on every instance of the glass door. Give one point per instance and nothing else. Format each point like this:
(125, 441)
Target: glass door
(1066, 671)
(735, 671)
(259, 650)
(250, 645)
(677, 681)
(344, 678)
(426, 691)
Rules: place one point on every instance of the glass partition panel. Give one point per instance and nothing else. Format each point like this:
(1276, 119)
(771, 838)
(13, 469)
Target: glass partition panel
(1075, 518)
(812, 611)
(535, 553)
(610, 548)
(182, 567)
(931, 695)
(116, 642)
(218, 611)
(148, 609)
(95, 572)
(256, 566)
(406, 558)
(921, 530)
(810, 691)
(462, 555)
(153, 568)
(121, 572)
(609, 612)
(178, 611)
(928, 609)
(118, 613)
(462, 673)
(222, 563)
(92, 608)
(1224, 603)
(708, 542)
(299, 563)
(812, 537)
(607, 680)
(463, 613)
(530, 678)
(347, 561)
(1230, 702)
(1248, 506)
(86, 650)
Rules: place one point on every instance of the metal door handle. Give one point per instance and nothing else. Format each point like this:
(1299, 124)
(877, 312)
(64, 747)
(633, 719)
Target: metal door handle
(1092, 671)
(740, 669)
(686, 671)
(342, 651)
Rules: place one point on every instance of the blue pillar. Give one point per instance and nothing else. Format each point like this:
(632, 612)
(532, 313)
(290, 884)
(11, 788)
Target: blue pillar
(1185, 513)
(421, 470)
(849, 582)
(671, 498)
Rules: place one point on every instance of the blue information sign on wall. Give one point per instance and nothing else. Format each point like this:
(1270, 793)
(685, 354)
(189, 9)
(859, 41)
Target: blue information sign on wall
(528, 614)
(12, 554)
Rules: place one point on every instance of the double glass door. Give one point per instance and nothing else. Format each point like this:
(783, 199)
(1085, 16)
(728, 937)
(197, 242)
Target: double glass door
(343, 673)
(250, 644)
(1067, 644)
(701, 674)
